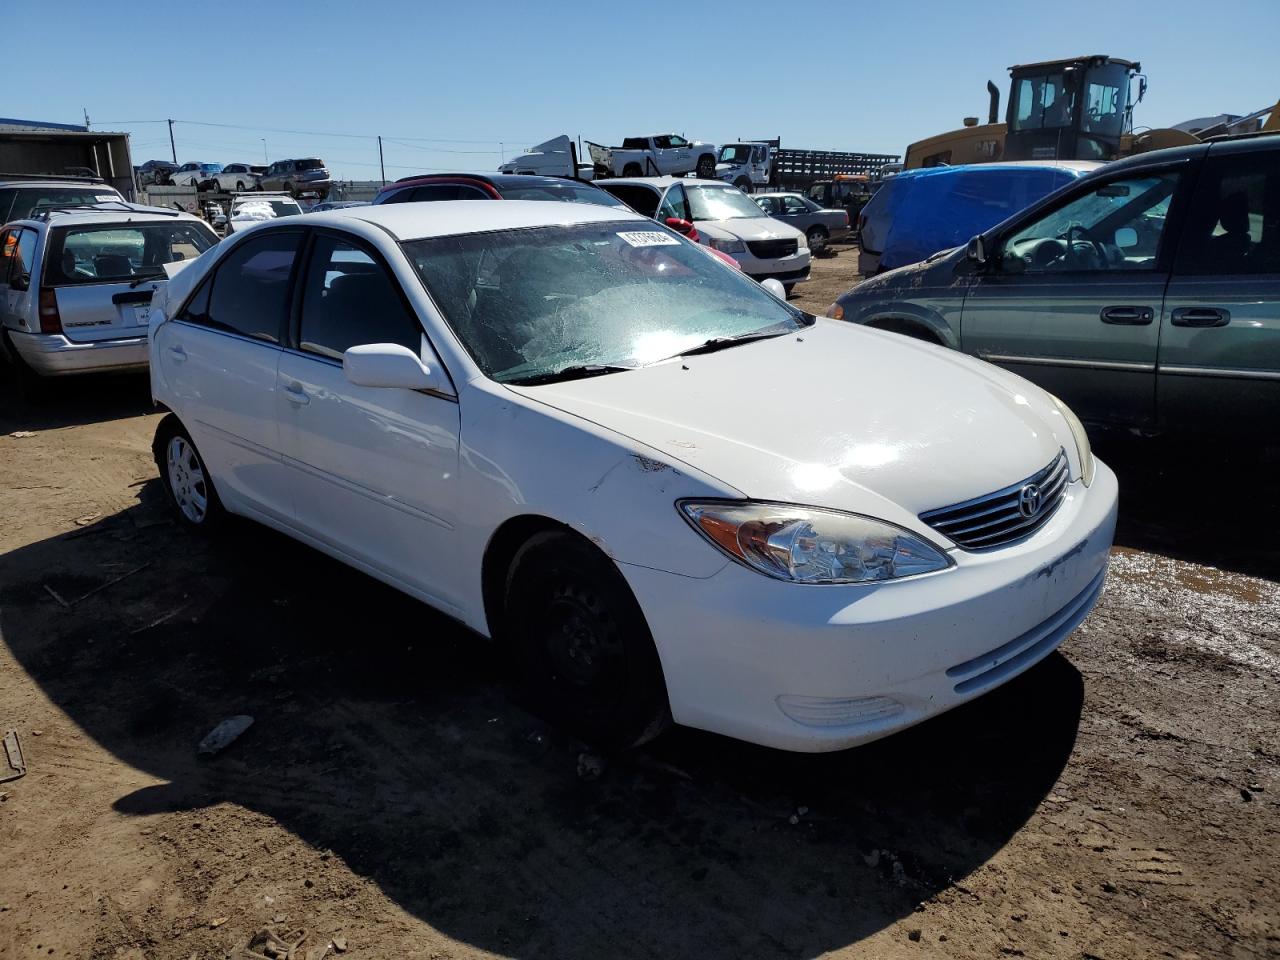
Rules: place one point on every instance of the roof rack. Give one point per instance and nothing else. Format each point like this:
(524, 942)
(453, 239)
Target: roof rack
(104, 206)
(50, 176)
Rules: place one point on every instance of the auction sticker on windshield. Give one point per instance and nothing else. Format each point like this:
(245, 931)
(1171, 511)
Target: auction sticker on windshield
(649, 238)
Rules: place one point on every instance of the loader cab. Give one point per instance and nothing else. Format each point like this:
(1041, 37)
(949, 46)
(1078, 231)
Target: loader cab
(1070, 109)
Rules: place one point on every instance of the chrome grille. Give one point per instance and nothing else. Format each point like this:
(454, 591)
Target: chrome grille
(772, 249)
(999, 518)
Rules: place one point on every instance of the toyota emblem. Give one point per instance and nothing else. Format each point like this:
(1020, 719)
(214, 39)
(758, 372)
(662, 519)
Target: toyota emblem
(1029, 500)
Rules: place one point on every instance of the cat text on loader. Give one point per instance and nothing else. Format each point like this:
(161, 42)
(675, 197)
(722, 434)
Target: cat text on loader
(1075, 109)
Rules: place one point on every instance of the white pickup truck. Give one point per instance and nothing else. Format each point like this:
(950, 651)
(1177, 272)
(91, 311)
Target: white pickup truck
(665, 154)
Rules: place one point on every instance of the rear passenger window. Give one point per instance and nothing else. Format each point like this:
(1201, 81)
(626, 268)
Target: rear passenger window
(349, 299)
(250, 291)
(1234, 225)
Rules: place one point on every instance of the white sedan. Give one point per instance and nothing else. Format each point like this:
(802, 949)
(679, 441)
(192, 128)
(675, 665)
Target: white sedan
(664, 491)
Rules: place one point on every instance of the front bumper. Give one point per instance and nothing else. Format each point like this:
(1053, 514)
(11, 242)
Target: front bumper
(816, 668)
(52, 354)
(790, 269)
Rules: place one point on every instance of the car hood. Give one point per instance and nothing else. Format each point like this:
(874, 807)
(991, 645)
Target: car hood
(748, 228)
(835, 415)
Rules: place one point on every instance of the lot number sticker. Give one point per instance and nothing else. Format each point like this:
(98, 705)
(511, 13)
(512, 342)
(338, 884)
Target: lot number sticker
(649, 238)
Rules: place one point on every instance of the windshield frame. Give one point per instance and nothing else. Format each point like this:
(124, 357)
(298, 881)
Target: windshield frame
(417, 253)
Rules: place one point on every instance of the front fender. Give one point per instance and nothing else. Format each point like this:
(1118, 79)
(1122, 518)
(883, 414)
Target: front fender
(881, 313)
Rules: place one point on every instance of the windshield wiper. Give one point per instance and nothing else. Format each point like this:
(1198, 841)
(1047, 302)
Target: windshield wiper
(720, 343)
(577, 371)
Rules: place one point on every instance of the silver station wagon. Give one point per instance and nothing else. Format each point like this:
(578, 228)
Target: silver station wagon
(1146, 295)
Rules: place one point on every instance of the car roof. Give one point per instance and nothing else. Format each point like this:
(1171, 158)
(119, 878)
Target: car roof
(122, 213)
(493, 179)
(417, 221)
(661, 183)
(1261, 142)
(1079, 167)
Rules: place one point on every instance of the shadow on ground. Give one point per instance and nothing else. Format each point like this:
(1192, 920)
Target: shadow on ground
(383, 734)
(1211, 503)
(73, 401)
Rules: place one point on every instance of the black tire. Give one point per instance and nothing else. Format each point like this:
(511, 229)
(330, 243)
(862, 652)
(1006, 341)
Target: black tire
(706, 168)
(632, 170)
(187, 480)
(743, 184)
(288, 188)
(584, 654)
(240, 186)
(818, 234)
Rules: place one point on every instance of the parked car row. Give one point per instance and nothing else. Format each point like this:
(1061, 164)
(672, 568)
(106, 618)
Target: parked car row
(295, 177)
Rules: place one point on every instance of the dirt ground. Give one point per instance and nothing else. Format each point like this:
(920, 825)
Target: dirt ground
(1121, 800)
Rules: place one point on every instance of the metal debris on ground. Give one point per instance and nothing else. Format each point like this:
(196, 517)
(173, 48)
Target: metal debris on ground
(158, 620)
(22, 434)
(221, 736)
(15, 764)
(110, 583)
(57, 596)
(267, 944)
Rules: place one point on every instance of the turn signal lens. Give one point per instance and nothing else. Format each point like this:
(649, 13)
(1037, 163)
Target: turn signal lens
(835, 312)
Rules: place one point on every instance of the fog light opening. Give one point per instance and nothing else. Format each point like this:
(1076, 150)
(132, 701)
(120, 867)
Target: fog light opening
(838, 711)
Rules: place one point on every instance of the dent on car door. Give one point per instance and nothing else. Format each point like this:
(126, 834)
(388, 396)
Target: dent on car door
(375, 468)
(218, 359)
(1219, 368)
(1070, 297)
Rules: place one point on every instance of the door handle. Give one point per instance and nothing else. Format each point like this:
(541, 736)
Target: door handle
(178, 353)
(295, 394)
(1200, 317)
(1128, 316)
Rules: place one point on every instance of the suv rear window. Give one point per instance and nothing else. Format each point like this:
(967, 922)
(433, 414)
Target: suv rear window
(120, 252)
(311, 164)
(19, 203)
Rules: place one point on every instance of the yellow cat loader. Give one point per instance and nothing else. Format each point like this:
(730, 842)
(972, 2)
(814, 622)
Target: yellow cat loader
(1075, 109)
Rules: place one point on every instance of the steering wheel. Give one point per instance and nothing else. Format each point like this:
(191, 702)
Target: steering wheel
(1084, 252)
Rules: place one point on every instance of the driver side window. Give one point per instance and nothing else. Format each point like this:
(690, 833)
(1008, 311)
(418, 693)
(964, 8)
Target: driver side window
(1117, 226)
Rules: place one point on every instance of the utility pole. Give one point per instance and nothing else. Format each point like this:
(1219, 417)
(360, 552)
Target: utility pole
(264, 150)
(86, 117)
(171, 144)
(381, 163)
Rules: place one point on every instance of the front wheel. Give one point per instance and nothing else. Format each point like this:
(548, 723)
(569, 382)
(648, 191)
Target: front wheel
(185, 477)
(585, 655)
(632, 170)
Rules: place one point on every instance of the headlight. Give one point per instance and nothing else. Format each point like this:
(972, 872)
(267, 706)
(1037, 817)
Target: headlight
(811, 545)
(728, 246)
(1082, 440)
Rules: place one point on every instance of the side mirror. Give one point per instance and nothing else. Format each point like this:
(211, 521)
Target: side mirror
(775, 287)
(21, 282)
(390, 365)
(1126, 237)
(679, 225)
(976, 251)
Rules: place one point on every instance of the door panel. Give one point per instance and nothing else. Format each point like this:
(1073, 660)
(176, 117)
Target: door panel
(374, 468)
(1072, 296)
(1219, 365)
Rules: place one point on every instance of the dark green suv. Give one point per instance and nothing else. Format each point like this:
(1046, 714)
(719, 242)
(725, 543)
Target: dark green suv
(1145, 295)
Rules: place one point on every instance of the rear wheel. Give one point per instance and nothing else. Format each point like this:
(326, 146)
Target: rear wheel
(586, 657)
(817, 238)
(632, 170)
(185, 477)
(239, 186)
(30, 386)
(706, 169)
(743, 184)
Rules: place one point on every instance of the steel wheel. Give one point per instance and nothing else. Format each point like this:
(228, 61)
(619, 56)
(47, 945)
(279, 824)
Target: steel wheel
(187, 481)
(817, 241)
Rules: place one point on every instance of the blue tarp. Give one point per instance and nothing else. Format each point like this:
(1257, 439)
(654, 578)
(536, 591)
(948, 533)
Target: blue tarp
(943, 207)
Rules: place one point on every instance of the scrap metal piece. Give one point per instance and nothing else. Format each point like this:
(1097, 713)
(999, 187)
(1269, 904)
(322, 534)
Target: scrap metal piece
(15, 764)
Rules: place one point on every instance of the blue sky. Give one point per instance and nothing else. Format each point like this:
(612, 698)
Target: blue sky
(456, 86)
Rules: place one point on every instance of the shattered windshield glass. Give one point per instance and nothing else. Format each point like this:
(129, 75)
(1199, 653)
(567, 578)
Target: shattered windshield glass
(530, 302)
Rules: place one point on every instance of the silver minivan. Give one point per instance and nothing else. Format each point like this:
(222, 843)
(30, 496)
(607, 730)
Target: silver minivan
(76, 284)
